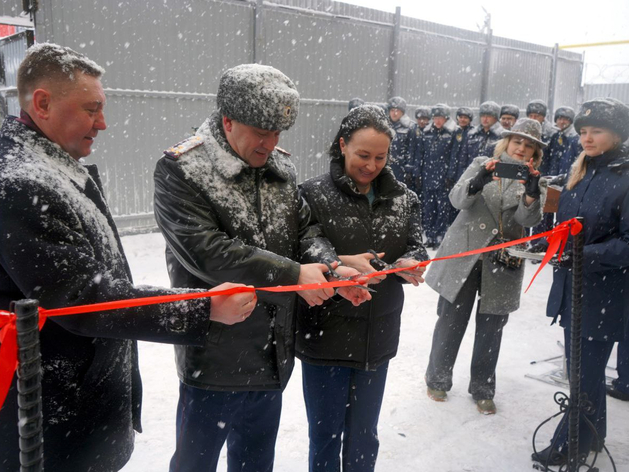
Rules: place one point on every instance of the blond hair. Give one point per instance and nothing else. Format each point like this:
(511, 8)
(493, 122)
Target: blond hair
(577, 171)
(502, 145)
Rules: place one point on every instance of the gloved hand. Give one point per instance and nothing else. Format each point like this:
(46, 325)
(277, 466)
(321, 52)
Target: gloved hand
(566, 260)
(481, 179)
(531, 186)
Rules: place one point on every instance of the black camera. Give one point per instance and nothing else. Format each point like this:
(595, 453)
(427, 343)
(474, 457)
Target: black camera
(511, 171)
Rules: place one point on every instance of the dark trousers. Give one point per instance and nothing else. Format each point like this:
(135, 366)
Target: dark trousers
(343, 407)
(622, 366)
(436, 214)
(449, 331)
(594, 357)
(248, 421)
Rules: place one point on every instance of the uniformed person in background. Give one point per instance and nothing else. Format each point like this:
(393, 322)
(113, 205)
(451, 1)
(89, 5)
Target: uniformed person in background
(537, 110)
(509, 114)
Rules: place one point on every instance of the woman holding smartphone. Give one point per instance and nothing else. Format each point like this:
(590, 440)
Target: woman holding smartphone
(491, 209)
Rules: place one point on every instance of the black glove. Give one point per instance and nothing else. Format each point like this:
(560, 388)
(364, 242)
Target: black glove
(531, 186)
(481, 179)
(566, 260)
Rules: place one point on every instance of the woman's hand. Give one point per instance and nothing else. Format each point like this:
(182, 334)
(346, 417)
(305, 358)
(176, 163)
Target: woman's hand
(356, 294)
(531, 184)
(413, 276)
(361, 262)
(484, 176)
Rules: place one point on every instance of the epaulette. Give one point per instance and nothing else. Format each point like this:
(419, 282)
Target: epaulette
(282, 151)
(184, 146)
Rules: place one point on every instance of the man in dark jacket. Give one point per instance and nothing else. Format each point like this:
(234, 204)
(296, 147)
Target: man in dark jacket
(422, 116)
(509, 114)
(481, 140)
(60, 246)
(400, 147)
(436, 150)
(537, 110)
(227, 203)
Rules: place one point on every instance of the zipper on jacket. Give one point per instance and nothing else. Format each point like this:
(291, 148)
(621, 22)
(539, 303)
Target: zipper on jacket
(369, 319)
(258, 178)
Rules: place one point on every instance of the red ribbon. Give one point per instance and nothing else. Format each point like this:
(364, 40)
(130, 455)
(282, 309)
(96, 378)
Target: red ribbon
(557, 239)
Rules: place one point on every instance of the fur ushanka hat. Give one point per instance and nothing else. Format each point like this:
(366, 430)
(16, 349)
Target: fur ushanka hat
(259, 96)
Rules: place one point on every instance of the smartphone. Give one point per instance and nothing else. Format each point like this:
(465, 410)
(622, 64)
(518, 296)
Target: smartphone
(511, 171)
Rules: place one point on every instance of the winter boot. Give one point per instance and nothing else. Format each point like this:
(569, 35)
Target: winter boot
(486, 407)
(437, 395)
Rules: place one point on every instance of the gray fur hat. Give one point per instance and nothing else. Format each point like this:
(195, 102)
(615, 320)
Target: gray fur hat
(355, 102)
(259, 96)
(422, 112)
(537, 106)
(565, 112)
(397, 102)
(526, 128)
(607, 113)
(512, 110)
(465, 111)
(440, 109)
(489, 108)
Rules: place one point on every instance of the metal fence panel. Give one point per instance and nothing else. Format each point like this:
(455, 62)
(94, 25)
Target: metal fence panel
(568, 85)
(617, 91)
(518, 77)
(167, 46)
(438, 69)
(329, 58)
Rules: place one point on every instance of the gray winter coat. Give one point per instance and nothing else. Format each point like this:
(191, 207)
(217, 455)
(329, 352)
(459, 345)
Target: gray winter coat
(475, 227)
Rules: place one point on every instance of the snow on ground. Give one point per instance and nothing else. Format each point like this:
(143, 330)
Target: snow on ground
(416, 433)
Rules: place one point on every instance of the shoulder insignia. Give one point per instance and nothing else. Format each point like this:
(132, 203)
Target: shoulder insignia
(282, 151)
(184, 146)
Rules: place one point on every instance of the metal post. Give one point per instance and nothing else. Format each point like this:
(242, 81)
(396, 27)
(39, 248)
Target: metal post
(29, 387)
(258, 33)
(395, 51)
(575, 351)
(484, 87)
(552, 86)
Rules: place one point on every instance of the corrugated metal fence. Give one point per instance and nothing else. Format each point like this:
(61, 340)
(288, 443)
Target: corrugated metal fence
(164, 59)
(617, 91)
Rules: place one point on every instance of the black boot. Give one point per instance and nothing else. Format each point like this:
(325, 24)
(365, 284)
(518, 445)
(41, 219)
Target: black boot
(550, 456)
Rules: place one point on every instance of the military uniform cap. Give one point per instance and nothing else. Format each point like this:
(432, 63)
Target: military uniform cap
(440, 109)
(465, 111)
(259, 96)
(397, 102)
(512, 110)
(422, 112)
(537, 106)
(565, 112)
(489, 108)
(607, 113)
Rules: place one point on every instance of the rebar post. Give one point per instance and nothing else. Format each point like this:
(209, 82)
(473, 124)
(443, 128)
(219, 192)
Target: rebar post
(29, 387)
(575, 351)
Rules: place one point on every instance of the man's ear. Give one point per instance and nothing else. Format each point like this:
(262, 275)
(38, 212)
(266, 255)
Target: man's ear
(227, 124)
(41, 103)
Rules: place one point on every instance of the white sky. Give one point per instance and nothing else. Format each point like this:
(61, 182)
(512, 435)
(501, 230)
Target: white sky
(542, 22)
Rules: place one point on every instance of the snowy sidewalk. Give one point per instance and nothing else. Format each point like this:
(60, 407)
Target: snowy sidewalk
(416, 433)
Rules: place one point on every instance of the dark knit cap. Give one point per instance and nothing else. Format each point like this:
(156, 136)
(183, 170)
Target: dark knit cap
(565, 112)
(512, 110)
(465, 111)
(259, 96)
(607, 113)
(422, 112)
(537, 106)
(489, 108)
(397, 102)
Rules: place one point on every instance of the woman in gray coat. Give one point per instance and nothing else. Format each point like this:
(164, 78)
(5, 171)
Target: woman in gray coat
(491, 208)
